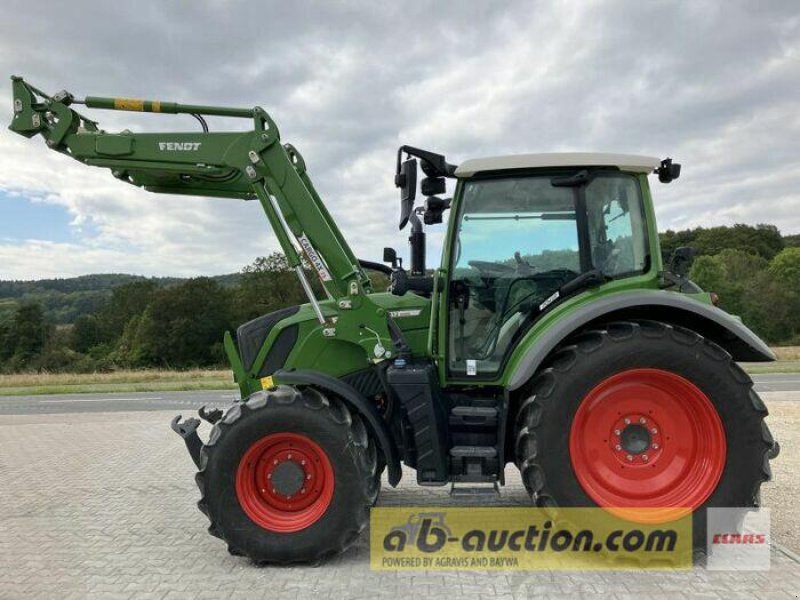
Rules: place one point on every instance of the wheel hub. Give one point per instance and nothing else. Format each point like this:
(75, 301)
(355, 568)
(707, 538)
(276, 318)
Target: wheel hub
(287, 478)
(635, 439)
(284, 482)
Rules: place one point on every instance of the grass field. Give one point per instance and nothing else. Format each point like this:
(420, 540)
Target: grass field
(24, 384)
(788, 362)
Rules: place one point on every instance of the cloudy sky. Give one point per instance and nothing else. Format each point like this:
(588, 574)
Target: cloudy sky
(714, 84)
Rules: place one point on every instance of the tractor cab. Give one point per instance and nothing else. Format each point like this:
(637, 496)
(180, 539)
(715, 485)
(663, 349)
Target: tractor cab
(525, 233)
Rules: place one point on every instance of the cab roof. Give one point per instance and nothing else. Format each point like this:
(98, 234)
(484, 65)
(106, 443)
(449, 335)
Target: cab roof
(625, 162)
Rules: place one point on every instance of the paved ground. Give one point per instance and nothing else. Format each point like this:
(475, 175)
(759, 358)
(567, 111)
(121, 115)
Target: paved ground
(101, 505)
(190, 401)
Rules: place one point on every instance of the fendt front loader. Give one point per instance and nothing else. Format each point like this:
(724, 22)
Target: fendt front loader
(551, 336)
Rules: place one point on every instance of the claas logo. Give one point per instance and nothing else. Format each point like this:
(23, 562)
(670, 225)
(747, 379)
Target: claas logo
(739, 538)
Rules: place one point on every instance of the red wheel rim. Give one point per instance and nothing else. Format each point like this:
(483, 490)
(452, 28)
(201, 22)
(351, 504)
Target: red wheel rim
(285, 482)
(647, 439)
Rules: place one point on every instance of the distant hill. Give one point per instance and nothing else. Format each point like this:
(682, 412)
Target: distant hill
(65, 300)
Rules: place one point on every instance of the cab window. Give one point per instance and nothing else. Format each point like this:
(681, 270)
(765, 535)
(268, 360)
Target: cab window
(517, 241)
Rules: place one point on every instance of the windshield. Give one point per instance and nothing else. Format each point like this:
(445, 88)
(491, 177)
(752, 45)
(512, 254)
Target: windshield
(527, 216)
(520, 239)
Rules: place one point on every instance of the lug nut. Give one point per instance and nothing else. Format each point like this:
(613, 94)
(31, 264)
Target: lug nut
(289, 456)
(269, 475)
(654, 431)
(308, 476)
(629, 457)
(275, 462)
(655, 446)
(303, 491)
(617, 432)
(274, 491)
(302, 462)
(642, 420)
(617, 447)
(645, 458)
(627, 421)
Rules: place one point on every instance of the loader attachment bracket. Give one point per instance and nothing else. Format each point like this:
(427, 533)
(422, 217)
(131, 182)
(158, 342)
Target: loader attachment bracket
(37, 113)
(188, 431)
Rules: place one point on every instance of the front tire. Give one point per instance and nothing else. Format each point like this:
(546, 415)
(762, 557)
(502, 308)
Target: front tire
(643, 415)
(288, 476)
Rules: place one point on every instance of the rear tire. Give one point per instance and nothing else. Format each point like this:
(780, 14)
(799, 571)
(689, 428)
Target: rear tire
(324, 465)
(571, 428)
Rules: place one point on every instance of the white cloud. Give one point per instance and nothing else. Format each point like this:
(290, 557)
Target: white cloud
(712, 84)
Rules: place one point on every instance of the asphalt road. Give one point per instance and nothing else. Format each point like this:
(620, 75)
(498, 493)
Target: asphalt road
(777, 382)
(189, 402)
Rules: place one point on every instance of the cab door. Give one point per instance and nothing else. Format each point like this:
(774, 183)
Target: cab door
(516, 240)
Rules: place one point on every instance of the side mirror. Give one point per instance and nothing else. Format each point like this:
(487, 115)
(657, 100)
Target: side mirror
(390, 256)
(681, 260)
(406, 180)
(668, 171)
(398, 282)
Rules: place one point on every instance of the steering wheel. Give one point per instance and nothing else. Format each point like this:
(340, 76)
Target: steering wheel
(487, 266)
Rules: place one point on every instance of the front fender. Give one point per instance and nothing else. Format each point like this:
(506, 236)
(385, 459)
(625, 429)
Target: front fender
(355, 401)
(657, 305)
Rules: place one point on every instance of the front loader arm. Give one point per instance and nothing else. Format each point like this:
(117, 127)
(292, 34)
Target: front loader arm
(245, 165)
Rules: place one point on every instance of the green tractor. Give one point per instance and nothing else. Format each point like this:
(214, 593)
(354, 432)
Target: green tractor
(551, 336)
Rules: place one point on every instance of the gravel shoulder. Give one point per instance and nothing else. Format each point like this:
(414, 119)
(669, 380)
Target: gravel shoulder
(781, 494)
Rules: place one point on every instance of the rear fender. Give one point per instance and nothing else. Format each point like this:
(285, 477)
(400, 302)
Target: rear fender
(656, 305)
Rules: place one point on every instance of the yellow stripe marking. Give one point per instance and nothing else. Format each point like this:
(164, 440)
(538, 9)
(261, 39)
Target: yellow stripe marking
(128, 104)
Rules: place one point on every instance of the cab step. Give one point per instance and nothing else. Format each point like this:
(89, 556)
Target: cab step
(473, 416)
(473, 452)
(474, 464)
(475, 490)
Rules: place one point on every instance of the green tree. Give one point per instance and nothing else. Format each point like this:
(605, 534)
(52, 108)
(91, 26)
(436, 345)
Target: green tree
(56, 354)
(672, 240)
(764, 240)
(747, 288)
(182, 327)
(785, 271)
(126, 301)
(6, 348)
(24, 337)
(85, 334)
(268, 285)
(786, 267)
